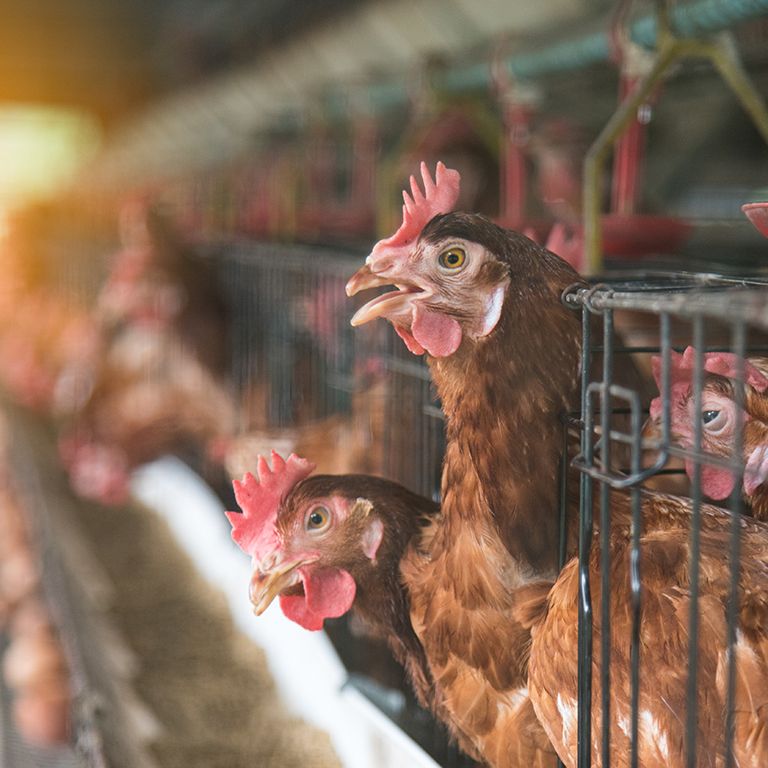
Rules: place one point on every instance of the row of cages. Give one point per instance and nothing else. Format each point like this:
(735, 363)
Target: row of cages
(299, 367)
(656, 352)
(700, 343)
(656, 348)
(522, 150)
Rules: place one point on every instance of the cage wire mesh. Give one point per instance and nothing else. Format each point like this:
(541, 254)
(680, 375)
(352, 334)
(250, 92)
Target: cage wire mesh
(622, 449)
(351, 400)
(297, 362)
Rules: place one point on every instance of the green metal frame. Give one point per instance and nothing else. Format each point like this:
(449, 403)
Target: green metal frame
(671, 49)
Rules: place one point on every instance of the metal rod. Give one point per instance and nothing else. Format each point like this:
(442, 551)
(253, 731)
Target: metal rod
(563, 533)
(605, 542)
(602, 147)
(584, 728)
(670, 49)
(690, 20)
(725, 58)
(736, 504)
(635, 586)
(691, 714)
(707, 300)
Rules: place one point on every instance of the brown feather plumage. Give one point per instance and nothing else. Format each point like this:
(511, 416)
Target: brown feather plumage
(381, 600)
(665, 568)
(481, 572)
(472, 570)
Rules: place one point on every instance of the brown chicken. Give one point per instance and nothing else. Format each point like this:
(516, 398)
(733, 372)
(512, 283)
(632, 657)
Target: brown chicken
(718, 421)
(485, 304)
(666, 566)
(159, 384)
(478, 299)
(329, 544)
(151, 397)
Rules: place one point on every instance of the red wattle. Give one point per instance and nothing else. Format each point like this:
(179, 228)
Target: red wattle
(715, 483)
(413, 346)
(328, 594)
(439, 334)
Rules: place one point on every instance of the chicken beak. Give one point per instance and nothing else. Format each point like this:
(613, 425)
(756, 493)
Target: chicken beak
(265, 587)
(651, 430)
(391, 304)
(363, 279)
(388, 305)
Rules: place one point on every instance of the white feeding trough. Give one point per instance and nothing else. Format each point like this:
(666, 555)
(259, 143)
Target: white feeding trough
(307, 670)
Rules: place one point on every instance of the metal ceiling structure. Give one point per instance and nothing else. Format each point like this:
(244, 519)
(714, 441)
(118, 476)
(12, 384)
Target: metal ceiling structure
(114, 57)
(186, 84)
(217, 118)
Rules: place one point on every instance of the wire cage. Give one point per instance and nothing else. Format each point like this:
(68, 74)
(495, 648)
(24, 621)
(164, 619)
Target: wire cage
(667, 328)
(297, 362)
(293, 347)
(351, 400)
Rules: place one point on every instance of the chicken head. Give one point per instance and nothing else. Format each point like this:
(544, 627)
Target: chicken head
(718, 416)
(315, 541)
(449, 281)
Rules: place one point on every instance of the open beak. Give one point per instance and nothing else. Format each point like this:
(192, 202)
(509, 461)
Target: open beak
(390, 304)
(265, 587)
(651, 429)
(364, 278)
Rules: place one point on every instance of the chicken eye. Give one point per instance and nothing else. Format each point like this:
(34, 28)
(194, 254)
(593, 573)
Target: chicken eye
(453, 259)
(713, 420)
(318, 518)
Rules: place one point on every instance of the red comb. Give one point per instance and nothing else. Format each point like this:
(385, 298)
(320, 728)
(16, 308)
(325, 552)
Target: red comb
(720, 363)
(726, 364)
(254, 529)
(419, 207)
(757, 213)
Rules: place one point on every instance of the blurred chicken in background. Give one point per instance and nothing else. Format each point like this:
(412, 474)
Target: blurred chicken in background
(343, 443)
(43, 332)
(159, 384)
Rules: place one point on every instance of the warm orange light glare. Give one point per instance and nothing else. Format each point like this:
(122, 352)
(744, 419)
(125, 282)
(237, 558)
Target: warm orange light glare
(40, 149)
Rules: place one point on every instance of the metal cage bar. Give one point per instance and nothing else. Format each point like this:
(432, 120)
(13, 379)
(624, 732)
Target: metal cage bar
(736, 507)
(738, 306)
(270, 284)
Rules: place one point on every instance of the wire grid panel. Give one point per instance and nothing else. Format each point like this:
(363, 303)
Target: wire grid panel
(638, 332)
(292, 349)
(299, 365)
(297, 361)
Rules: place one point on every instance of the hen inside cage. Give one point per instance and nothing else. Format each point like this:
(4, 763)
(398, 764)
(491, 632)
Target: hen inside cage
(670, 530)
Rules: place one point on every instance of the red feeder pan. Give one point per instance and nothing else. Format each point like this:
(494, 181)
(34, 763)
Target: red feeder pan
(757, 213)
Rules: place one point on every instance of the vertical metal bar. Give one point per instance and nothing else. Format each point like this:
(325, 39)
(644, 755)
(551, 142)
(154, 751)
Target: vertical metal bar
(605, 539)
(426, 453)
(389, 408)
(738, 342)
(666, 383)
(635, 533)
(321, 371)
(693, 626)
(246, 360)
(286, 348)
(257, 344)
(562, 547)
(584, 729)
(635, 597)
